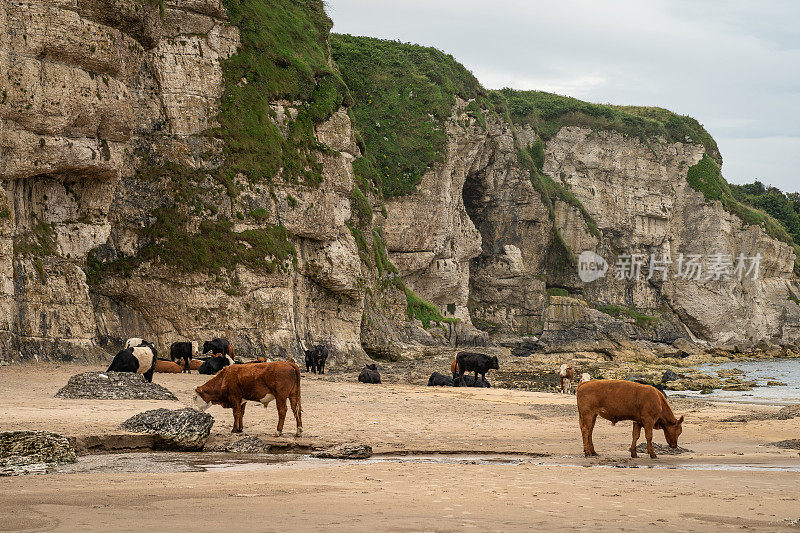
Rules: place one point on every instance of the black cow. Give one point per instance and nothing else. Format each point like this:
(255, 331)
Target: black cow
(212, 365)
(469, 381)
(316, 357)
(440, 380)
(218, 345)
(181, 350)
(138, 359)
(370, 374)
(475, 362)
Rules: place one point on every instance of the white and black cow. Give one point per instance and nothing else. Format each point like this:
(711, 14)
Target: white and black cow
(138, 359)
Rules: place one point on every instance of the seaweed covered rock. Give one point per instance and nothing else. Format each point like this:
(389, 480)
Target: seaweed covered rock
(32, 451)
(249, 444)
(113, 386)
(345, 451)
(660, 449)
(181, 429)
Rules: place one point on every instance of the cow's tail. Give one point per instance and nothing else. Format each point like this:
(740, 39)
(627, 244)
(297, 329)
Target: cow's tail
(297, 383)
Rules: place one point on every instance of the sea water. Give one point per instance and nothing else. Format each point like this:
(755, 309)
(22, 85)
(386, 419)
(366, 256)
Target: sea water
(760, 371)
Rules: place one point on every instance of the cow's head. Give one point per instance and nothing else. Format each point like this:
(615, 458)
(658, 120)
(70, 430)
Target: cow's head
(207, 347)
(672, 432)
(494, 363)
(201, 400)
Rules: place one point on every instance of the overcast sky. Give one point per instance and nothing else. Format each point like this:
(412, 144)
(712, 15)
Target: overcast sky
(734, 65)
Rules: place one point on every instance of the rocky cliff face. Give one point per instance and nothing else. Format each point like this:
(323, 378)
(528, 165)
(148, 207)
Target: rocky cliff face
(96, 95)
(116, 221)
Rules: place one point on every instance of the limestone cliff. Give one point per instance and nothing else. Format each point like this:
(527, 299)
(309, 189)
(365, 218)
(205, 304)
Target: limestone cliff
(174, 171)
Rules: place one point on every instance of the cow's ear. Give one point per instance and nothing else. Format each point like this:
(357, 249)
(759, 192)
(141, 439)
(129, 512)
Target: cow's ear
(680, 420)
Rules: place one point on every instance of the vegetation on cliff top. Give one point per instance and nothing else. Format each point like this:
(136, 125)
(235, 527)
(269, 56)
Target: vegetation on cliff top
(403, 94)
(283, 55)
(706, 177)
(547, 113)
(785, 208)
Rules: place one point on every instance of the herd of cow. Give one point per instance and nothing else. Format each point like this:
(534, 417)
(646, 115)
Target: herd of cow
(235, 383)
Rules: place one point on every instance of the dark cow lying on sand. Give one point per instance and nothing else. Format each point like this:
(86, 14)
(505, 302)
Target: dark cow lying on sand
(181, 351)
(617, 400)
(475, 362)
(370, 374)
(212, 365)
(315, 358)
(218, 346)
(440, 380)
(258, 382)
(138, 359)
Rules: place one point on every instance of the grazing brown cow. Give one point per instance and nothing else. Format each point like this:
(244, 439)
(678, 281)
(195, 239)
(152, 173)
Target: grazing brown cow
(617, 400)
(168, 367)
(567, 375)
(234, 385)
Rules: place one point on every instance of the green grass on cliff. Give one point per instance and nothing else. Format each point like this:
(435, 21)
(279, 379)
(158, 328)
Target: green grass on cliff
(403, 95)
(547, 113)
(283, 55)
(642, 320)
(785, 208)
(707, 178)
(213, 248)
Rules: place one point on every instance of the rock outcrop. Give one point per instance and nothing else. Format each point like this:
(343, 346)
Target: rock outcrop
(345, 451)
(33, 451)
(113, 386)
(180, 430)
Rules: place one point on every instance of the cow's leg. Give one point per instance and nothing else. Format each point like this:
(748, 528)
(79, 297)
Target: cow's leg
(294, 400)
(186, 367)
(648, 434)
(322, 367)
(280, 403)
(587, 426)
(238, 414)
(149, 374)
(637, 429)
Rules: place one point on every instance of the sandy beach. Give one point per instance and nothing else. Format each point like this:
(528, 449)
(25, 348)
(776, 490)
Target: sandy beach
(729, 480)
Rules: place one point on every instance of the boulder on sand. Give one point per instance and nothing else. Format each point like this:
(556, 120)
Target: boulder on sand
(249, 444)
(113, 386)
(180, 430)
(660, 449)
(21, 449)
(345, 451)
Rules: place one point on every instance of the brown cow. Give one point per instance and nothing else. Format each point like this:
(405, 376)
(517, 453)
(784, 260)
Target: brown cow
(234, 385)
(567, 375)
(168, 367)
(454, 367)
(617, 400)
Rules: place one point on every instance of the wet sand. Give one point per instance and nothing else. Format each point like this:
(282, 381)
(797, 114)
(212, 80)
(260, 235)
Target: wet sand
(605, 493)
